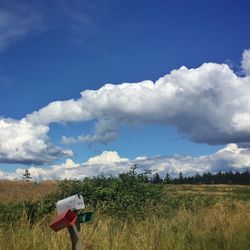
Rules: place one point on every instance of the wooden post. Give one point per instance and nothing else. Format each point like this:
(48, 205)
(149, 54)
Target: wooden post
(75, 236)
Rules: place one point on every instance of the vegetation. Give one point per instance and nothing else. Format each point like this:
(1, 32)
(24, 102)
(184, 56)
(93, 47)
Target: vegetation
(131, 212)
(17, 191)
(206, 178)
(27, 175)
(219, 227)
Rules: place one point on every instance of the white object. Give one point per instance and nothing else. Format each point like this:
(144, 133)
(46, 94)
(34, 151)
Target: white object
(74, 202)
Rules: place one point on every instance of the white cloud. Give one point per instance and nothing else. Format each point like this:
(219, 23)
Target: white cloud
(246, 61)
(60, 111)
(229, 158)
(70, 164)
(209, 104)
(107, 157)
(22, 142)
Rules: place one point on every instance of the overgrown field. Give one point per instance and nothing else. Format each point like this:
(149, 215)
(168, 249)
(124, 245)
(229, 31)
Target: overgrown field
(132, 214)
(13, 191)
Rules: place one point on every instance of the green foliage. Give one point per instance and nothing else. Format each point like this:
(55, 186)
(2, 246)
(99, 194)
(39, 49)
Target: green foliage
(47, 204)
(133, 213)
(13, 212)
(230, 177)
(127, 196)
(130, 196)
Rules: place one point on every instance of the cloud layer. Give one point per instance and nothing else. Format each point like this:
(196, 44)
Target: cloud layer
(246, 62)
(229, 158)
(21, 142)
(209, 104)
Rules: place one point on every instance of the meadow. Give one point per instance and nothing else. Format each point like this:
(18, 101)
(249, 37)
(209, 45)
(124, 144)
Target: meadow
(180, 216)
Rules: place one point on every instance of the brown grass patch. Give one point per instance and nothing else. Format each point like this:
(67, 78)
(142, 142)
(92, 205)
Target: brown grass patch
(14, 191)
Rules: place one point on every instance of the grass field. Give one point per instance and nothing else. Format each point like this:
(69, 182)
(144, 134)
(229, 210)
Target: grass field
(214, 217)
(13, 191)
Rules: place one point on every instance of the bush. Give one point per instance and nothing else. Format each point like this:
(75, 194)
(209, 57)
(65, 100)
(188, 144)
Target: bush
(127, 196)
(13, 212)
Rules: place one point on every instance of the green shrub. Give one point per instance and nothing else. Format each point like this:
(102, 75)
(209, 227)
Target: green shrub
(13, 212)
(126, 196)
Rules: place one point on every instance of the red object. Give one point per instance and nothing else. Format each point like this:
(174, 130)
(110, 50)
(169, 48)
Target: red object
(65, 219)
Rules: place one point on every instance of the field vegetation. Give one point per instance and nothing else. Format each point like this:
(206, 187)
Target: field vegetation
(15, 191)
(130, 213)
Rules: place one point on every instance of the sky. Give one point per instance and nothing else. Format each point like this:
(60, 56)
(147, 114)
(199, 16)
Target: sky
(90, 87)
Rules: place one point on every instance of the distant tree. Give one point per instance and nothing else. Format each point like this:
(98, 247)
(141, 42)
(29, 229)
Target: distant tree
(133, 170)
(167, 179)
(207, 178)
(180, 177)
(156, 179)
(198, 178)
(229, 177)
(26, 175)
(145, 176)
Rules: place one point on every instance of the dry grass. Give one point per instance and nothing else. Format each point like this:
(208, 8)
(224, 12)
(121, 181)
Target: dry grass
(214, 190)
(225, 225)
(14, 191)
(219, 227)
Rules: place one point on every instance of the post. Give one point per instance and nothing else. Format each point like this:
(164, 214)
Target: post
(69, 217)
(75, 236)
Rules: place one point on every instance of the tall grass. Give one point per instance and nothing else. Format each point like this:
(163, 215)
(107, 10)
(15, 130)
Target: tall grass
(129, 214)
(221, 226)
(15, 191)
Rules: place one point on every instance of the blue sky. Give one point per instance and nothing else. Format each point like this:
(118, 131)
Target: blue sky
(54, 50)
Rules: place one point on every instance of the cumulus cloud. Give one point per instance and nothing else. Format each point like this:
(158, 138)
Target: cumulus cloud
(22, 142)
(231, 157)
(246, 61)
(107, 157)
(209, 104)
(105, 131)
(109, 162)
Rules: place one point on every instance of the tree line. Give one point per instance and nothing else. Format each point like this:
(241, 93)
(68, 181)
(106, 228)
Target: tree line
(242, 178)
(229, 177)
